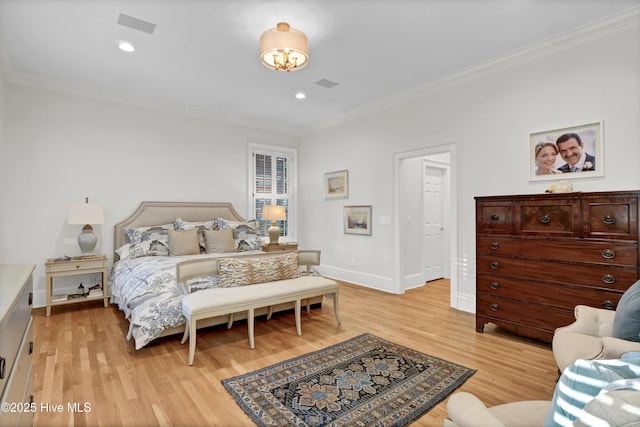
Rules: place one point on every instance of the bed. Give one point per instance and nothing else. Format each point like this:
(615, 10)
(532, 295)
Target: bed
(145, 287)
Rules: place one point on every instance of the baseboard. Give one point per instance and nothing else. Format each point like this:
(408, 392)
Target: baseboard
(367, 280)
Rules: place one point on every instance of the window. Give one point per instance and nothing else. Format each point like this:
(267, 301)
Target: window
(273, 182)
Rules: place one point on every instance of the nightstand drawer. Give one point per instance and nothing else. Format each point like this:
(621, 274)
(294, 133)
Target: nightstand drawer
(284, 247)
(75, 264)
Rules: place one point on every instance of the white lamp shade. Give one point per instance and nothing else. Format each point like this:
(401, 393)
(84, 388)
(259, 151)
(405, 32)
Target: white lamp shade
(282, 43)
(273, 213)
(86, 213)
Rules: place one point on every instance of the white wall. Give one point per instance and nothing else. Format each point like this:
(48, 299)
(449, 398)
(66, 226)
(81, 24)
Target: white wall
(3, 183)
(62, 148)
(489, 119)
(57, 149)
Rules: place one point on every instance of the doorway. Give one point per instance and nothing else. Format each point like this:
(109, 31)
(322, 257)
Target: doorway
(425, 230)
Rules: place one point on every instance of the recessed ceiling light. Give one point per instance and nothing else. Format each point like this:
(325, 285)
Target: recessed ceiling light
(125, 46)
(300, 95)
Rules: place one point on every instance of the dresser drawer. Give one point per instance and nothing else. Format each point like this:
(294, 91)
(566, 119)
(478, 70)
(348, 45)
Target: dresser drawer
(493, 218)
(610, 253)
(539, 316)
(560, 217)
(555, 294)
(615, 218)
(18, 387)
(12, 329)
(602, 276)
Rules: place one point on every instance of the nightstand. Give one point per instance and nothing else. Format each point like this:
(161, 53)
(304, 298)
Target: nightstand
(73, 267)
(281, 247)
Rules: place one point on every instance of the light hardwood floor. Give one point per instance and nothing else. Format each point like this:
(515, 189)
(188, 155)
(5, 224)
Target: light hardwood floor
(81, 356)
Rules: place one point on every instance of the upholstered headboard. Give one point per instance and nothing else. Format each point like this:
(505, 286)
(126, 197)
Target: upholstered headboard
(158, 213)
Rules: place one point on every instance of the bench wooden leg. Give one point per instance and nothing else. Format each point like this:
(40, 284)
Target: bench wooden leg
(298, 326)
(186, 332)
(308, 304)
(269, 312)
(230, 321)
(335, 307)
(250, 326)
(192, 340)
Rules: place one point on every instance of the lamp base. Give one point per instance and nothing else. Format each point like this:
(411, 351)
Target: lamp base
(87, 240)
(274, 234)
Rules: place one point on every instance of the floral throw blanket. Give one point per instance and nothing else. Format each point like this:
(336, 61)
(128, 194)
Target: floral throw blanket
(147, 291)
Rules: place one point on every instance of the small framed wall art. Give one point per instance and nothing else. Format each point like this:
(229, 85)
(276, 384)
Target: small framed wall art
(336, 185)
(357, 220)
(567, 153)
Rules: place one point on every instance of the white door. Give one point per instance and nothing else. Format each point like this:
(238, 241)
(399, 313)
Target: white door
(433, 229)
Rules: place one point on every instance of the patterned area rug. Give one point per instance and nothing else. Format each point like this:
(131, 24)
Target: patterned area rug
(365, 381)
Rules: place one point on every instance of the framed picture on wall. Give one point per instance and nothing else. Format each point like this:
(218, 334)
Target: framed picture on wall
(336, 185)
(567, 153)
(357, 220)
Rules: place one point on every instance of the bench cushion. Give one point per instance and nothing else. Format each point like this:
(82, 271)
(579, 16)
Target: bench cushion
(248, 271)
(259, 295)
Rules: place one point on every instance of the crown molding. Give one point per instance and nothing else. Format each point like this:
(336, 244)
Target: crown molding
(622, 21)
(153, 104)
(593, 30)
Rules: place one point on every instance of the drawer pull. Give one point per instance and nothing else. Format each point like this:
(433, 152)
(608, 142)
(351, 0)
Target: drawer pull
(494, 217)
(77, 266)
(30, 347)
(608, 304)
(3, 365)
(30, 298)
(494, 245)
(494, 264)
(608, 254)
(545, 219)
(494, 307)
(609, 220)
(609, 279)
(494, 285)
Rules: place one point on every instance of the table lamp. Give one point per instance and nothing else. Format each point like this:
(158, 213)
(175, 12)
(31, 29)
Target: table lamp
(273, 213)
(86, 214)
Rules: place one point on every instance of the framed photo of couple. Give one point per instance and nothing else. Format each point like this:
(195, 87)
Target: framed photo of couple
(566, 153)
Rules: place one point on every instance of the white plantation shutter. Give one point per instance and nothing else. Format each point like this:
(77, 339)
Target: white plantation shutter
(273, 183)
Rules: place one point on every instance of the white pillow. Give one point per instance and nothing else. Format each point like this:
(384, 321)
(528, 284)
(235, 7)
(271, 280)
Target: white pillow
(123, 251)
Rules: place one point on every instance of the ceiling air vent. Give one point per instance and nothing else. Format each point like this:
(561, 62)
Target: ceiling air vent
(326, 83)
(136, 24)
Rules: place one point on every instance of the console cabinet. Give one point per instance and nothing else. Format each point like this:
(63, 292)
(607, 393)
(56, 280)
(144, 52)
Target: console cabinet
(16, 345)
(538, 256)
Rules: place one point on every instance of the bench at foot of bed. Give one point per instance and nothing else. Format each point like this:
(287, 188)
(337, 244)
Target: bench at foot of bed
(225, 301)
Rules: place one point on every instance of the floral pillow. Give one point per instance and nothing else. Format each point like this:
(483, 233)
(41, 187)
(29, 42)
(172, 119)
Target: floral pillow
(201, 283)
(245, 234)
(149, 241)
(183, 225)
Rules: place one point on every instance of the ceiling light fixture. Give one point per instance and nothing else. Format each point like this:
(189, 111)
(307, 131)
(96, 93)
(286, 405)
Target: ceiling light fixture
(284, 48)
(125, 46)
(300, 95)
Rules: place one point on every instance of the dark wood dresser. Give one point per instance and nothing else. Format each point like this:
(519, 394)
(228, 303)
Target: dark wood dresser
(538, 256)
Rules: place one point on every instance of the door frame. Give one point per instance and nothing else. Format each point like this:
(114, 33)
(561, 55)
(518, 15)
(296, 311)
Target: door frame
(398, 158)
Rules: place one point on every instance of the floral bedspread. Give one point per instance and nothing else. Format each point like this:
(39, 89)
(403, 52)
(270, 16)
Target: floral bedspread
(147, 291)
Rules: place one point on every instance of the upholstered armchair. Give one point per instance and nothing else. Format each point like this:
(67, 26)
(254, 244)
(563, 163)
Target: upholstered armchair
(588, 393)
(612, 408)
(466, 410)
(589, 337)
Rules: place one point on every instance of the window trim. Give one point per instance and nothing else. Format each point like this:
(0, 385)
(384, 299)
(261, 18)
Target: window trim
(293, 199)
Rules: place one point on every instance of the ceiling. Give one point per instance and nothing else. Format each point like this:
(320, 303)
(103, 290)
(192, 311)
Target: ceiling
(203, 56)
